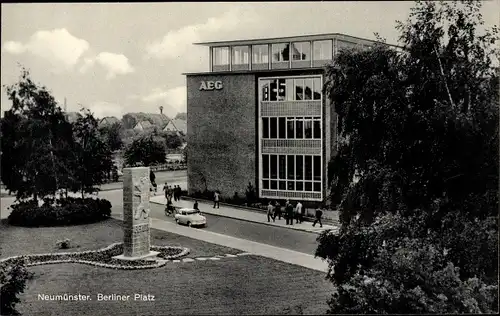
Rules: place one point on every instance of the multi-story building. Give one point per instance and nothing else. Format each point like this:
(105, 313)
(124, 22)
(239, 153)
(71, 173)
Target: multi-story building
(260, 116)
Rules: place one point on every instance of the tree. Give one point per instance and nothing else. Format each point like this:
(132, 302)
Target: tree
(93, 157)
(181, 116)
(36, 141)
(112, 135)
(13, 278)
(419, 131)
(172, 141)
(146, 149)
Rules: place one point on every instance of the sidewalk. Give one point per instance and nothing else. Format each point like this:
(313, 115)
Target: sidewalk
(244, 215)
(251, 247)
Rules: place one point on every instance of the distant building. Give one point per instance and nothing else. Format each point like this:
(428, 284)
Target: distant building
(176, 125)
(108, 120)
(143, 125)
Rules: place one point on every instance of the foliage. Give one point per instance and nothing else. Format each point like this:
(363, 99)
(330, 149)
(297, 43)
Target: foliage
(251, 194)
(13, 278)
(63, 244)
(61, 212)
(172, 141)
(419, 131)
(36, 141)
(181, 116)
(112, 135)
(147, 150)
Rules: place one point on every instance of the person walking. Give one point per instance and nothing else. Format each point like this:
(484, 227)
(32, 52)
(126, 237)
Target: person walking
(196, 205)
(270, 212)
(319, 213)
(179, 193)
(152, 178)
(289, 213)
(298, 212)
(175, 193)
(277, 210)
(216, 199)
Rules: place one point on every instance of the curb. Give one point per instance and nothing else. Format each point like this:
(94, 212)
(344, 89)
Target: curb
(251, 221)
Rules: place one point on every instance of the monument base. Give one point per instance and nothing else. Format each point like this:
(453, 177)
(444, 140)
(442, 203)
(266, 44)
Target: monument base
(147, 256)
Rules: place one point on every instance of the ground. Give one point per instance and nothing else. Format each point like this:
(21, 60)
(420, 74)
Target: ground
(242, 285)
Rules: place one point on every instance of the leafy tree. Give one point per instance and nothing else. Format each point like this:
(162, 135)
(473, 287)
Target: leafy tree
(93, 157)
(419, 131)
(13, 278)
(36, 142)
(112, 135)
(172, 141)
(146, 149)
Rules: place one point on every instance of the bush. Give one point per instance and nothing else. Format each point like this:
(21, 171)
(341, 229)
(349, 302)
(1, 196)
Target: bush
(63, 244)
(62, 212)
(13, 278)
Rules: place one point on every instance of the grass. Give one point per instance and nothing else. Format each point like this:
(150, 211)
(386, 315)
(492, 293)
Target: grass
(236, 286)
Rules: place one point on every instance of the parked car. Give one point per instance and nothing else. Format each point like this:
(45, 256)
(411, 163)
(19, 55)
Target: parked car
(190, 217)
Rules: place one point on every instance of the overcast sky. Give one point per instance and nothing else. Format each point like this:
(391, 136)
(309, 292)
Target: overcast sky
(129, 57)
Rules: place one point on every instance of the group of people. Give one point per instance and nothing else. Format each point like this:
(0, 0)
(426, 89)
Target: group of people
(292, 212)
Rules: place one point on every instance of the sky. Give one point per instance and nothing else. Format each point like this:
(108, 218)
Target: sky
(115, 58)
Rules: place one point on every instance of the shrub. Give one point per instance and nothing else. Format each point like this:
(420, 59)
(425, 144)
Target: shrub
(67, 211)
(63, 244)
(251, 194)
(13, 278)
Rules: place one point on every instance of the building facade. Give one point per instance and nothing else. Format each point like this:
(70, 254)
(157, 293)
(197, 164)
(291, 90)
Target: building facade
(260, 116)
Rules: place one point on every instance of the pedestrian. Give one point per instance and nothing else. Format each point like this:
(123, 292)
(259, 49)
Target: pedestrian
(152, 178)
(216, 199)
(179, 193)
(289, 213)
(277, 210)
(165, 189)
(174, 192)
(319, 213)
(270, 212)
(298, 212)
(196, 205)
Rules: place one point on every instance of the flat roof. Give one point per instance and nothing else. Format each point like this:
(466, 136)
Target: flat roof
(311, 37)
(249, 72)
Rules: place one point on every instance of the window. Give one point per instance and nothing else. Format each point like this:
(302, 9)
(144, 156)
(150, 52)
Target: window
(274, 166)
(299, 173)
(282, 127)
(317, 168)
(299, 186)
(308, 89)
(301, 51)
(308, 186)
(317, 88)
(265, 184)
(308, 167)
(317, 186)
(260, 54)
(265, 166)
(316, 129)
(322, 50)
(240, 55)
(281, 52)
(265, 127)
(220, 56)
(299, 132)
(291, 167)
(265, 86)
(278, 90)
(274, 184)
(290, 130)
(291, 185)
(273, 127)
(299, 89)
(282, 166)
(282, 185)
(308, 127)
(289, 90)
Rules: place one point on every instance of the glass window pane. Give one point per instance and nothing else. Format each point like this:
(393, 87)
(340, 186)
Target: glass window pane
(281, 89)
(274, 185)
(274, 166)
(220, 56)
(273, 127)
(265, 127)
(282, 127)
(299, 167)
(317, 186)
(281, 52)
(290, 133)
(317, 89)
(265, 89)
(308, 186)
(299, 186)
(240, 55)
(265, 184)
(299, 89)
(308, 167)
(299, 128)
(308, 89)
(289, 90)
(317, 129)
(282, 185)
(265, 166)
(282, 167)
(273, 90)
(260, 54)
(291, 186)
(308, 128)
(317, 168)
(291, 167)
(322, 50)
(301, 51)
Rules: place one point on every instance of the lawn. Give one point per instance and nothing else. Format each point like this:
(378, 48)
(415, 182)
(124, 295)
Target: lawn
(241, 285)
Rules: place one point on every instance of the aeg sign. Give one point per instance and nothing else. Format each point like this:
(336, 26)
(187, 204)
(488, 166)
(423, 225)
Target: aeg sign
(210, 85)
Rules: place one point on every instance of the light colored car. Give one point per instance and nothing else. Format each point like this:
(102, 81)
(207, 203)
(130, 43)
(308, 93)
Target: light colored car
(190, 217)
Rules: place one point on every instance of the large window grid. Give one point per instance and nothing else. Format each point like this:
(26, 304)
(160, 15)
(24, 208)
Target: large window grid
(281, 52)
(291, 173)
(240, 55)
(322, 50)
(260, 54)
(291, 127)
(290, 89)
(301, 51)
(221, 56)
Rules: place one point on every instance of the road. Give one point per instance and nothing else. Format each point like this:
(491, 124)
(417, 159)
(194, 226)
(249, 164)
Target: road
(276, 236)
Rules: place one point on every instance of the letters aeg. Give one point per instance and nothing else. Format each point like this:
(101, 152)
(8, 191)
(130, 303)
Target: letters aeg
(210, 85)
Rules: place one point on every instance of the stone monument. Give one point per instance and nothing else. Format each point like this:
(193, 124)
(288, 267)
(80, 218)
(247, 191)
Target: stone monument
(136, 192)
